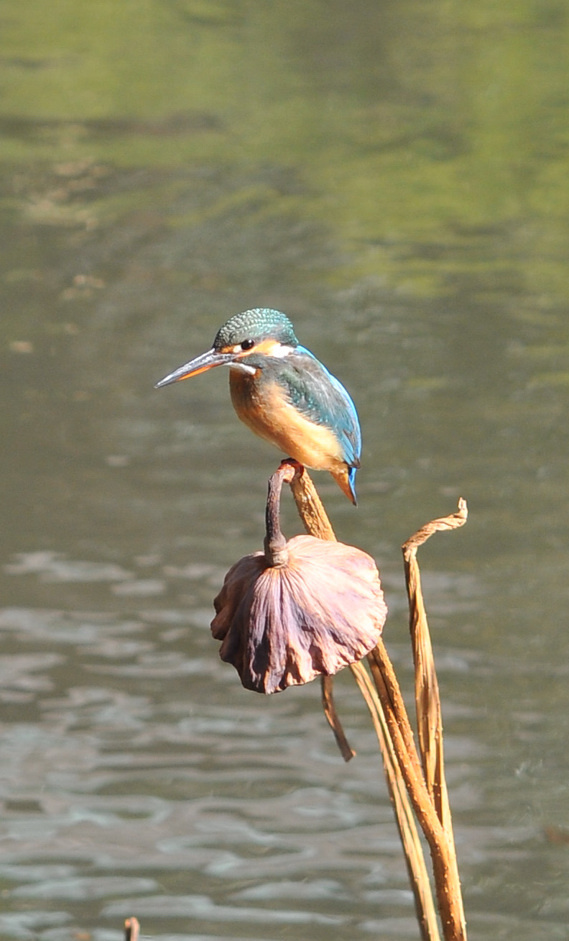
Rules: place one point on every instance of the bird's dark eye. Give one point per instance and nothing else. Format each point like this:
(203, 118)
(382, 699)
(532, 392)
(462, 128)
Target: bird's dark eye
(247, 344)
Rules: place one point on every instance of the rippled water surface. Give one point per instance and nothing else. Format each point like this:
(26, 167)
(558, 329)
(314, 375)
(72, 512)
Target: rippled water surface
(395, 177)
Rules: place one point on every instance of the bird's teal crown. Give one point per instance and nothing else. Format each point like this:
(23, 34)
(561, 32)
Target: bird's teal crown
(260, 323)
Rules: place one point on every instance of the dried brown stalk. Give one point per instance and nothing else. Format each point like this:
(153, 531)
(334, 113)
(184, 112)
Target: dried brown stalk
(427, 699)
(403, 767)
(308, 503)
(333, 718)
(275, 602)
(440, 841)
(413, 851)
(429, 724)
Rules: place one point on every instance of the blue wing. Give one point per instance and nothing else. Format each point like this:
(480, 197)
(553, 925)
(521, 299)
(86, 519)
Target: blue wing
(318, 395)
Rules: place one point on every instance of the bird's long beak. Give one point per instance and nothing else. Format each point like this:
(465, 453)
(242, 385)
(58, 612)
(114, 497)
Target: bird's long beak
(195, 366)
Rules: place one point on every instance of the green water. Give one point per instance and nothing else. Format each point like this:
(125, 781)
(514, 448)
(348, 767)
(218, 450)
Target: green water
(395, 177)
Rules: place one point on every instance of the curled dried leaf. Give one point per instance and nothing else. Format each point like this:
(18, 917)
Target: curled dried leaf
(283, 625)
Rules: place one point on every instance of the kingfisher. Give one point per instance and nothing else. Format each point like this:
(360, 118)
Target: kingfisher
(283, 393)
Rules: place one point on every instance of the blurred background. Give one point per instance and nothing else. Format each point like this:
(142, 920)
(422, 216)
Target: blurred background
(395, 177)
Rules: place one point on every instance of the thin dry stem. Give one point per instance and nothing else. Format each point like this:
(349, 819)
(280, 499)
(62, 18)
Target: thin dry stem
(427, 697)
(424, 779)
(454, 521)
(429, 718)
(447, 883)
(329, 707)
(412, 848)
(309, 504)
(392, 698)
(276, 551)
(398, 749)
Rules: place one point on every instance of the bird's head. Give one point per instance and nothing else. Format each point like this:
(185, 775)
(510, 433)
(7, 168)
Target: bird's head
(260, 331)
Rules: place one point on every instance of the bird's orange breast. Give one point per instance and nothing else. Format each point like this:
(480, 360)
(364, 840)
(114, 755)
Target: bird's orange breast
(264, 408)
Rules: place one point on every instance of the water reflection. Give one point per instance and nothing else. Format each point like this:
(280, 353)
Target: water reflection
(131, 751)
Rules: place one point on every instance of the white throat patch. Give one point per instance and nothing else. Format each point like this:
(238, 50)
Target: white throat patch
(242, 367)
